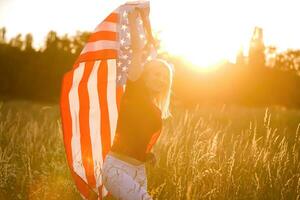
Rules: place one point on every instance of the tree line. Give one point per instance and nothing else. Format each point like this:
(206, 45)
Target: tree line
(263, 77)
(27, 73)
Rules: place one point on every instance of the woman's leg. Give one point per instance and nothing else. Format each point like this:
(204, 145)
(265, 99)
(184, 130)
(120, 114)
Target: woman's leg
(124, 182)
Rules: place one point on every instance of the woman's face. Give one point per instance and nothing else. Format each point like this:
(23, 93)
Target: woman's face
(157, 78)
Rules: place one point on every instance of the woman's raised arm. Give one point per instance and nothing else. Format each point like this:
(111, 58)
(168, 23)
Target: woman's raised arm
(135, 68)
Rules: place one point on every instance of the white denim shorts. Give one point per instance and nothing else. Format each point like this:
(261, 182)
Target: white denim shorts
(124, 180)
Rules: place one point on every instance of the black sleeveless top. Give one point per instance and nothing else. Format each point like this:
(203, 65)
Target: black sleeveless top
(139, 122)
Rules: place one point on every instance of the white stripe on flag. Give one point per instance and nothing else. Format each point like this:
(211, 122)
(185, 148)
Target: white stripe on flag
(111, 96)
(94, 122)
(100, 45)
(106, 26)
(74, 109)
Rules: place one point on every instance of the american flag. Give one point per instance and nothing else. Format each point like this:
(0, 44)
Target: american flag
(90, 99)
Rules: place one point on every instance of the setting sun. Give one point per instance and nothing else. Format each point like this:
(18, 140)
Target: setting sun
(207, 32)
(203, 32)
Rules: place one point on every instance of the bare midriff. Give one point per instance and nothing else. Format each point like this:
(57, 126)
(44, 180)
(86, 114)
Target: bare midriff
(125, 158)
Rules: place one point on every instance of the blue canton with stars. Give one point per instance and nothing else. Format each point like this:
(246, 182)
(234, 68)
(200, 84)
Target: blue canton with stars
(125, 52)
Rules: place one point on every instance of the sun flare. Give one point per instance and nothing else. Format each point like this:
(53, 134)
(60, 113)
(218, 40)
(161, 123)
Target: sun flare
(201, 35)
(203, 32)
(209, 32)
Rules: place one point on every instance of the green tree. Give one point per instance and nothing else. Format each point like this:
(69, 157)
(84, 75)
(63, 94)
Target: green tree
(65, 43)
(257, 49)
(240, 58)
(79, 41)
(16, 42)
(28, 42)
(52, 41)
(2, 35)
(288, 60)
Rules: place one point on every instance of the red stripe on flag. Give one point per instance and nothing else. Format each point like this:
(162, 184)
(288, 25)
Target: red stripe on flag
(85, 140)
(98, 55)
(66, 115)
(152, 141)
(102, 92)
(84, 188)
(67, 130)
(113, 17)
(81, 185)
(103, 35)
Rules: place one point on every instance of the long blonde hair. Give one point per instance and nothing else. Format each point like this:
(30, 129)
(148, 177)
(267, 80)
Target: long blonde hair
(163, 100)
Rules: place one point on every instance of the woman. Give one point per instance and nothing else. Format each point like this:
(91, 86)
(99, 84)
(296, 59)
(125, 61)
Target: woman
(143, 106)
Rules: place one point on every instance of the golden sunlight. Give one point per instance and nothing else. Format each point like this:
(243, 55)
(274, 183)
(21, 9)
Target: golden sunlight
(203, 32)
(200, 34)
(209, 32)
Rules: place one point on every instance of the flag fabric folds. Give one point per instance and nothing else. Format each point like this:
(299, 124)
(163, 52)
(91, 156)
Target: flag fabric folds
(90, 99)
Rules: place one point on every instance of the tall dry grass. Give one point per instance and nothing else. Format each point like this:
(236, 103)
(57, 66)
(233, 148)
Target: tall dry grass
(206, 153)
(32, 157)
(201, 156)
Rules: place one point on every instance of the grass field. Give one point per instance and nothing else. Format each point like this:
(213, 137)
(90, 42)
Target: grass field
(210, 152)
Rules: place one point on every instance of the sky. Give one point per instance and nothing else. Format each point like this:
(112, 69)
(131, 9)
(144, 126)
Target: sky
(202, 31)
